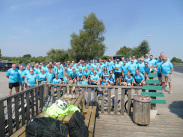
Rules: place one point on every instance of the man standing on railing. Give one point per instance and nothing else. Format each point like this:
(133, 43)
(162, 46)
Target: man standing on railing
(13, 76)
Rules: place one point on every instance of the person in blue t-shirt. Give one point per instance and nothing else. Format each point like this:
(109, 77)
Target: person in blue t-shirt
(125, 69)
(26, 72)
(159, 62)
(147, 70)
(56, 80)
(132, 67)
(95, 79)
(105, 74)
(21, 79)
(118, 72)
(139, 78)
(41, 76)
(31, 79)
(141, 67)
(80, 73)
(49, 76)
(152, 61)
(110, 64)
(128, 80)
(13, 76)
(146, 58)
(73, 74)
(104, 82)
(166, 70)
(111, 78)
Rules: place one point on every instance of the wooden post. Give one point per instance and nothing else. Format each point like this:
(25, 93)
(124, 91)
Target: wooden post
(116, 101)
(109, 101)
(45, 93)
(122, 101)
(2, 125)
(129, 101)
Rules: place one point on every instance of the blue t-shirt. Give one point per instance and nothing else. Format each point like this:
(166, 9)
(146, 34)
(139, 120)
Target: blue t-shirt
(159, 65)
(41, 77)
(84, 82)
(132, 68)
(118, 65)
(73, 75)
(152, 62)
(31, 79)
(80, 74)
(105, 73)
(125, 69)
(146, 60)
(94, 66)
(147, 69)
(56, 81)
(110, 64)
(86, 73)
(99, 73)
(69, 70)
(66, 80)
(139, 78)
(94, 77)
(37, 71)
(141, 67)
(26, 72)
(21, 79)
(13, 75)
(60, 73)
(50, 76)
(135, 61)
(43, 67)
(128, 79)
(166, 67)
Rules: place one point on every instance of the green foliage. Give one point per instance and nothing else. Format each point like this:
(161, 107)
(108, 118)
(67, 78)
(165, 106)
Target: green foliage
(27, 56)
(177, 60)
(123, 50)
(57, 55)
(139, 51)
(89, 43)
(106, 57)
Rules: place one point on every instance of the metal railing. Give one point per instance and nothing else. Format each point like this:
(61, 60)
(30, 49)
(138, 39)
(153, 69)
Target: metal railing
(27, 103)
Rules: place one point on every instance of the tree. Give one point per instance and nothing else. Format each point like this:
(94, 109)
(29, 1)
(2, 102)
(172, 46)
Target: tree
(140, 51)
(123, 50)
(57, 55)
(106, 57)
(89, 43)
(27, 56)
(176, 60)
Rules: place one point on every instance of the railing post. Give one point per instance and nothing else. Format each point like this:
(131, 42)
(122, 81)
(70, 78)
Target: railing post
(2, 131)
(116, 101)
(9, 109)
(129, 101)
(89, 96)
(109, 101)
(122, 101)
(45, 90)
(17, 111)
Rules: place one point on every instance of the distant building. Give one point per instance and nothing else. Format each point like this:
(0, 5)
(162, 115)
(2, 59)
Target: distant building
(118, 56)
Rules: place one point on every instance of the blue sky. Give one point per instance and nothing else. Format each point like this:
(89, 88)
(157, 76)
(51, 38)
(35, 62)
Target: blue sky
(35, 26)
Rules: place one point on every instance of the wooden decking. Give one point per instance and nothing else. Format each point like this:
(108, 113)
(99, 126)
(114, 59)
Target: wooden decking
(122, 126)
(168, 122)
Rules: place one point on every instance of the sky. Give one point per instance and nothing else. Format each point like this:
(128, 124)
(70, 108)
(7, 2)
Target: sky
(35, 26)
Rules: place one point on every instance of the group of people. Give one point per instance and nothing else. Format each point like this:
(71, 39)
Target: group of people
(127, 72)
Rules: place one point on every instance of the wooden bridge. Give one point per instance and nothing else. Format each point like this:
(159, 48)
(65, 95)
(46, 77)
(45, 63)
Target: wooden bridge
(112, 122)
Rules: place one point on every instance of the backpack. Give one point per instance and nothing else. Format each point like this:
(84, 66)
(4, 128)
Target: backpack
(95, 103)
(46, 127)
(77, 126)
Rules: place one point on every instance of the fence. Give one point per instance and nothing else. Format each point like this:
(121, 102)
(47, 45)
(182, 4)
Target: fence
(28, 103)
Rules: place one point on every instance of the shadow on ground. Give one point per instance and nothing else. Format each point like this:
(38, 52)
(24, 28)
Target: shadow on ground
(177, 108)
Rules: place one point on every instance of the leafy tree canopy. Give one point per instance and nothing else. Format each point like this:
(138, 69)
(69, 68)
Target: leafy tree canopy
(89, 43)
(123, 50)
(177, 60)
(57, 55)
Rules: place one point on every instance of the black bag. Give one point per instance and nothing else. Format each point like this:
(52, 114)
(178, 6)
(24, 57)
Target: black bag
(46, 127)
(77, 126)
(95, 103)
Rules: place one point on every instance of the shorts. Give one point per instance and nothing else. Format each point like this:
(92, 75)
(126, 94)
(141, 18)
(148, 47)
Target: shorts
(159, 75)
(22, 84)
(117, 74)
(166, 76)
(11, 85)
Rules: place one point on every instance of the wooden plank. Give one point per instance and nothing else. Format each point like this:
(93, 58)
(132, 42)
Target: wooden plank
(152, 75)
(92, 121)
(87, 116)
(28, 106)
(152, 81)
(58, 92)
(68, 117)
(129, 101)
(116, 101)
(9, 109)
(153, 94)
(19, 132)
(2, 124)
(95, 95)
(36, 94)
(76, 89)
(152, 87)
(52, 90)
(32, 101)
(158, 101)
(109, 101)
(22, 109)
(122, 101)
(102, 103)
(89, 96)
(78, 100)
(23, 134)
(17, 112)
